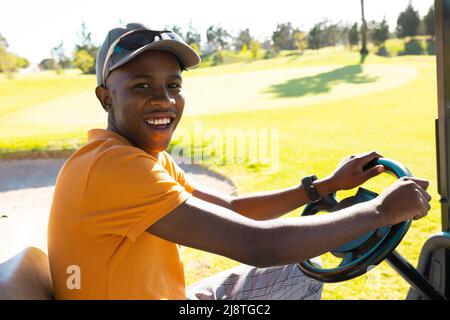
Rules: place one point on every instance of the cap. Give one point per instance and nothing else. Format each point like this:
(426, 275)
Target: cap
(173, 44)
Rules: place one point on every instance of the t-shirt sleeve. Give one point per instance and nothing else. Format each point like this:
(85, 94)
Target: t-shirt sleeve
(178, 173)
(127, 191)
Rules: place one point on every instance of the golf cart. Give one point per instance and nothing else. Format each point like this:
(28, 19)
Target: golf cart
(431, 279)
(27, 276)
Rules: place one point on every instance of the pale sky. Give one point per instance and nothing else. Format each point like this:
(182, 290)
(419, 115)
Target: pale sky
(33, 27)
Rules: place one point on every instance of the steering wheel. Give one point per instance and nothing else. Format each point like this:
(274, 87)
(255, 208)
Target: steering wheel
(367, 251)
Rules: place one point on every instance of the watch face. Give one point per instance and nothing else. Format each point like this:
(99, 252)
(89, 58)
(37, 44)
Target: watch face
(315, 196)
(310, 189)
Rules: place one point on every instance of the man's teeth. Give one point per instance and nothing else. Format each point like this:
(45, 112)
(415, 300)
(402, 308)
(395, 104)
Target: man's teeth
(159, 121)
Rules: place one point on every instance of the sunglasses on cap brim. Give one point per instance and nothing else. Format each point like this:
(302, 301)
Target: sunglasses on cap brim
(132, 41)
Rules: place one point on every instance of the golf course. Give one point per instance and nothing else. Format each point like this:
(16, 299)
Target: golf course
(323, 105)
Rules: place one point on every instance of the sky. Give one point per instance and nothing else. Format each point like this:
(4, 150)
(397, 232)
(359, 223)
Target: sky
(33, 27)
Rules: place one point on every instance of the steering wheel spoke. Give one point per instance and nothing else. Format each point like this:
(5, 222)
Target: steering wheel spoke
(348, 258)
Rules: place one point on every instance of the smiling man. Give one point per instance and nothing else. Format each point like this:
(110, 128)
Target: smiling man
(122, 206)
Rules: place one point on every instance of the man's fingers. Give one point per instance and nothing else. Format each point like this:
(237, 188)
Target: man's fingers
(369, 156)
(424, 184)
(367, 160)
(423, 211)
(424, 194)
(373, 172)
(424, 199)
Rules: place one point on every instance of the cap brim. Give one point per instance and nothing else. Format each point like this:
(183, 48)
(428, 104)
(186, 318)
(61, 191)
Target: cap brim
(187, 56)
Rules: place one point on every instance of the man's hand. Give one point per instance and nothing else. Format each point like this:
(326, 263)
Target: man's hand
(350, 173)
(405, 199)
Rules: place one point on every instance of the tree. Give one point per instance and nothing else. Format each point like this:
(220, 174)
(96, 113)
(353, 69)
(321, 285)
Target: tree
(60, 60)
(254, 49)
(343, 35)
(83, 60)
(300, 40)
(315, 36)
(192, 36)
(364, 52)
(429, 22)
(217, 38)
(332, 34)
(196, 48)
(222, 37)
(380, 33)
(243, 38)
(176, 29)
(47, 64)
(283, 37)
(84, 36)
(85, 47)
(353, 36)
(3, 42)
(9, 62)
(408, 22)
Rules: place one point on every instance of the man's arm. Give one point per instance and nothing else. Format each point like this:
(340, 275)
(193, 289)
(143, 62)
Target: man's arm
(263, 205)
(273, 204)
(212, 228)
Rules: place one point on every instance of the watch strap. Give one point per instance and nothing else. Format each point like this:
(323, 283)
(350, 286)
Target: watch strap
(310, 189)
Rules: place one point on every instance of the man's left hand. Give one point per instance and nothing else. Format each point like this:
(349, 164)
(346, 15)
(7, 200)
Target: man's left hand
(350, 173)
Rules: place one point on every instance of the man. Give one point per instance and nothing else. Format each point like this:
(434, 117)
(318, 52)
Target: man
(122, 207)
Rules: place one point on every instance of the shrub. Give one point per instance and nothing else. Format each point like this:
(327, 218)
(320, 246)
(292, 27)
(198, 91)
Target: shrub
(269, 54)
(218, 58)
(382, 52)
(83, 61)
(414, 47)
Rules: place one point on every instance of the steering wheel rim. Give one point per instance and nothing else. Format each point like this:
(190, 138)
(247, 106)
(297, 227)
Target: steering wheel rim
(351, 268)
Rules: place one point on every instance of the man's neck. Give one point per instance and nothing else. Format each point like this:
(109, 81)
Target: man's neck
(112, 127)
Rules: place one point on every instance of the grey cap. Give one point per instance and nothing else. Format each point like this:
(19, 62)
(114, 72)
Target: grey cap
(185, 54)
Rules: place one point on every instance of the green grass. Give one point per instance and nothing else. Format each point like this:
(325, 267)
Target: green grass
(38, 111)
(313, 139)
(335, 109)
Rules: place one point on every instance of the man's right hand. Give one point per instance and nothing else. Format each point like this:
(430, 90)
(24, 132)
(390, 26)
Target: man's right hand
(405, 199)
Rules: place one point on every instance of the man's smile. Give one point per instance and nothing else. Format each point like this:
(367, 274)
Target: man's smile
(161, 121)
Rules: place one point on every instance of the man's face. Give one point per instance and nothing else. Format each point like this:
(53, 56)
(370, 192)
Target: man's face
(146, 100)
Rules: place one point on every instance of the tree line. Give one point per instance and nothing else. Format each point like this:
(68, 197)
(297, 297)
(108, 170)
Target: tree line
(10, 62)
(216, 44)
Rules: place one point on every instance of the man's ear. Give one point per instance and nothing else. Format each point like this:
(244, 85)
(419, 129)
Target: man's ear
(104, 98)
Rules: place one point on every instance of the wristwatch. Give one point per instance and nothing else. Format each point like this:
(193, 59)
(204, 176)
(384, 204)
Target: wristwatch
(310, 189)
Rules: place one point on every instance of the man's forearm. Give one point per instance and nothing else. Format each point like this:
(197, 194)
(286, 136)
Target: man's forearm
(285, 241)
(271, 205)
(204, 226)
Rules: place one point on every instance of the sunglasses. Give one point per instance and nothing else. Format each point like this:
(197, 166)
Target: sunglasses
(132, 41)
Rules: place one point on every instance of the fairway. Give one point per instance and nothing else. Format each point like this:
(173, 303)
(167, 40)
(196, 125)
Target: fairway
(32, 118)
(325, 106)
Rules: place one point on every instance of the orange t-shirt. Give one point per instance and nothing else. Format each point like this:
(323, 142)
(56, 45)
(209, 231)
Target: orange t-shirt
(106, 195)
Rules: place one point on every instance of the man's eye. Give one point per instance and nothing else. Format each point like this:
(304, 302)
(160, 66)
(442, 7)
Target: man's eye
(174, 85)
(142, 86)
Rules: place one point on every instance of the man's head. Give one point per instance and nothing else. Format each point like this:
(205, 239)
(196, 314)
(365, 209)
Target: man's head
(139, 83)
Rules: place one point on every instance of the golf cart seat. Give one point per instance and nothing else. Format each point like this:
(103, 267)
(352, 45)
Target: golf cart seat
(26, 276)
(433, 264)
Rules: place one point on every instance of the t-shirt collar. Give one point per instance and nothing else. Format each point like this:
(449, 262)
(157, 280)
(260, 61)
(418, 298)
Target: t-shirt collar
(95, 134)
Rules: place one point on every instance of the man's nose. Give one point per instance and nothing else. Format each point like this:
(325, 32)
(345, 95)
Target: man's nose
(162, 98)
